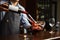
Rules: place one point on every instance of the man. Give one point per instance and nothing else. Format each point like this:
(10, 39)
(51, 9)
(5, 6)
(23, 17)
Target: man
(11, 19)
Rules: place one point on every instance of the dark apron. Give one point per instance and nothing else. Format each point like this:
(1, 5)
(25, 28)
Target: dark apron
(10, 23)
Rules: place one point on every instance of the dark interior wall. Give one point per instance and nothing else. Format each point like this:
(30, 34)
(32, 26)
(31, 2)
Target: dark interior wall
(31, 7)
(58, 10)
(23, 2)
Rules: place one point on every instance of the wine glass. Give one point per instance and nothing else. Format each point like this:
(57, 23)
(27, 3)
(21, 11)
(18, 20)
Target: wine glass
(52, 23)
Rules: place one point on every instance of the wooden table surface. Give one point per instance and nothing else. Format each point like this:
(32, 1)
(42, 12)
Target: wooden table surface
(38, 36)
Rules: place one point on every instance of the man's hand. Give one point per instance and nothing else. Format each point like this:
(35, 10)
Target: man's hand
(37, 27)
(4, 7)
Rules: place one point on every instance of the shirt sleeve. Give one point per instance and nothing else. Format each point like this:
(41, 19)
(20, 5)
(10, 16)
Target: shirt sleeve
(21, 7)
(25, 21)
(2, 14)
(3, 1)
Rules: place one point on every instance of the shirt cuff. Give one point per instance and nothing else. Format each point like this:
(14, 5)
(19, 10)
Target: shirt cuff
(13, 8)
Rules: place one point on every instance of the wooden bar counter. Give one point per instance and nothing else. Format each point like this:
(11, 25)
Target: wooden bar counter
(42, 35)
